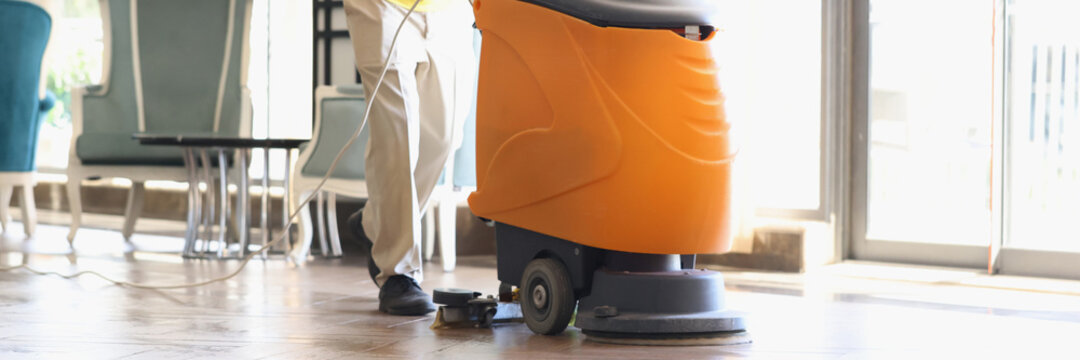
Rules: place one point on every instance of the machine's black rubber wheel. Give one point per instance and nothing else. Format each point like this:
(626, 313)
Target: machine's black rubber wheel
(547, 298)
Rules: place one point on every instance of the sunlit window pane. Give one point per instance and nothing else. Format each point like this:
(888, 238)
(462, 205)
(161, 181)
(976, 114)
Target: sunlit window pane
(930, 121)
(1043, 96)
(772, 80)
(73, 59)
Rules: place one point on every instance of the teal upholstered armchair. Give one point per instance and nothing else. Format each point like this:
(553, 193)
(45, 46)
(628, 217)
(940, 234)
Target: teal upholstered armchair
(24, 33)
(338, 111)
(171, 67)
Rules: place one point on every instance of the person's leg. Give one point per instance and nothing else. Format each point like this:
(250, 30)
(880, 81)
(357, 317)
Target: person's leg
(372, 24)
(391, 216)
(447, 88)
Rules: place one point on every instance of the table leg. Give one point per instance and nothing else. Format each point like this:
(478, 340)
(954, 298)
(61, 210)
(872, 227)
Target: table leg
(191, 236)
(285, 206)
(223, 167)
(266, 200)
(243, 203)
(208, 220)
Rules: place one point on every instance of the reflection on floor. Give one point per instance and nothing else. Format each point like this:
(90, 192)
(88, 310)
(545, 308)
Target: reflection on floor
(328, 310)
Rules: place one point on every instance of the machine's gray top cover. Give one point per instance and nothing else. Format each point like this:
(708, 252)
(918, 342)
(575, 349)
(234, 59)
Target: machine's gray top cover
(649, 14)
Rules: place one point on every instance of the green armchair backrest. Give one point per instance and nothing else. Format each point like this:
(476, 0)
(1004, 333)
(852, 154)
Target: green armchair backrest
(173, 67)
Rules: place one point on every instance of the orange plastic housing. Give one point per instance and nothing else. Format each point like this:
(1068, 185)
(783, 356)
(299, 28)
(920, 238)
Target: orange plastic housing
(609, 137)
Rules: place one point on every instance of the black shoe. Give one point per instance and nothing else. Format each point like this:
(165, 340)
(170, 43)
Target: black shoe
(356, 225)
(400, 295)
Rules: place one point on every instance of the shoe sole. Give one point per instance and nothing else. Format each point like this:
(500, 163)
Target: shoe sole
(414, 311)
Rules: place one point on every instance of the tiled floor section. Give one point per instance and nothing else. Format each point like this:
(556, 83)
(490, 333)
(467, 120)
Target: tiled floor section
(327, 310)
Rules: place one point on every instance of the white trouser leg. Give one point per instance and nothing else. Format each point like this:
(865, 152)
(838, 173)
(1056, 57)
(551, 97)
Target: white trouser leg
(391, 216)
(394, 133)
(447, 88)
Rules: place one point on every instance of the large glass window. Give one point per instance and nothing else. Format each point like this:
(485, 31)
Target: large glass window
(1043, 125)
(772, 82)
(971, 134)
(73, 58)
(930, 121)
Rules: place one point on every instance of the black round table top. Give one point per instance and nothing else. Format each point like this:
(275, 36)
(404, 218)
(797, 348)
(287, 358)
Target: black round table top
(211, 140)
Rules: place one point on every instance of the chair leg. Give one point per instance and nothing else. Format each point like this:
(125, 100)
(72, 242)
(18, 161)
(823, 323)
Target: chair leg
(300, 253)
(5, 203)
(75, 206)
(427, 228)
(133, 209)
(320, 219)
(331, 212)
(29, 210)
(448, 232)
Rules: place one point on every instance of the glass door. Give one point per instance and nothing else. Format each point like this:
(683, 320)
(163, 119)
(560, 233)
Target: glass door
(1042, 173)
(966, 134)
(923, 140)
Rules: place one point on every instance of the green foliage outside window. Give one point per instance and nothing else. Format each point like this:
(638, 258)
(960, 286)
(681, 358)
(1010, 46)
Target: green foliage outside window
(74, 56)
(64, 74)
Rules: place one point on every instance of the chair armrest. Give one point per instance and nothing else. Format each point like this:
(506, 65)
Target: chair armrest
(350, 89)
(339, 91)
(333, 126)
(47, 103)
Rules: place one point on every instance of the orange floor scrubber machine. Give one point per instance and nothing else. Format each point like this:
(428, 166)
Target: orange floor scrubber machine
(604, 160)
